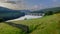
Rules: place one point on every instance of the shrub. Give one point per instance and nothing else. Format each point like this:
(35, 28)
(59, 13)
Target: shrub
(49, 13)
(1, 20)
(25, 19)
(57, 12)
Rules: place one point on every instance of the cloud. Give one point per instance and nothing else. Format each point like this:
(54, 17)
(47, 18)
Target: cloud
(2, 0)
(38, 7)
(23, 4)
(13, 4)
(12, 1)
(35, 7)
(9, 5)
(8, 1)
(55, 3)
(54, 0)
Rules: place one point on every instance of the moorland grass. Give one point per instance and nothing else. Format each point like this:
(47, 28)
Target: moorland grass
(45, 25)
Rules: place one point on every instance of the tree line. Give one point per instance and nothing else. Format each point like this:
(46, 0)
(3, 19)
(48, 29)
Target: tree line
(51, 12)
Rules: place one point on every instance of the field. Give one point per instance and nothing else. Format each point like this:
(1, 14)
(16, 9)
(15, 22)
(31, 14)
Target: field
(45, 25)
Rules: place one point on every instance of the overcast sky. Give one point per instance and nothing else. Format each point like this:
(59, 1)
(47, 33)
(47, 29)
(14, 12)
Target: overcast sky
(29, 4)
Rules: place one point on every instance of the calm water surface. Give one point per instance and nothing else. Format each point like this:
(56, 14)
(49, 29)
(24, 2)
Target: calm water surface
(27, 17)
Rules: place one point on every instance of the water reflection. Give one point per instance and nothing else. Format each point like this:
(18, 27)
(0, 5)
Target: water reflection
(26, 16)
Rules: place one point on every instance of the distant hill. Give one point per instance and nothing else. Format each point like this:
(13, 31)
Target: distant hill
(47, 9)
(26, 11)
(8, 14)
(52, 9)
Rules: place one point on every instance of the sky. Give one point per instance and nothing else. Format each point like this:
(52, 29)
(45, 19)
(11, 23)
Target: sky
(29, 4)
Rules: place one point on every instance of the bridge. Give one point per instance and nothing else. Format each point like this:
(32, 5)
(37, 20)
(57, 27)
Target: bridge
(35, 14)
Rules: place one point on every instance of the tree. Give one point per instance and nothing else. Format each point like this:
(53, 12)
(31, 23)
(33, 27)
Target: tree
(49, 13)
(1, 20)
(57, 12)
(25, 19)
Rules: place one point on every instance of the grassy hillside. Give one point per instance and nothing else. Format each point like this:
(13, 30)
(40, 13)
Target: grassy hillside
(45, 25)
(7, 29)
(9, 14)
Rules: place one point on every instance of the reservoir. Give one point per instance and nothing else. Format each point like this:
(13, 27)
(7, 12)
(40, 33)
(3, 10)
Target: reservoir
(27, 17)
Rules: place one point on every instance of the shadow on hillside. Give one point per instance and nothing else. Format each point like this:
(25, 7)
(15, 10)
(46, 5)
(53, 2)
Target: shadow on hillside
(20, 26)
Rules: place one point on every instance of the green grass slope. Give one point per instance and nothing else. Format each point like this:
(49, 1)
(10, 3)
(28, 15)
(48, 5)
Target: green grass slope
(7, 29)
(45, 25)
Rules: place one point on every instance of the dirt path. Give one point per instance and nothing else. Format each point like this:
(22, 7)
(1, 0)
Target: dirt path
(20, 26)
